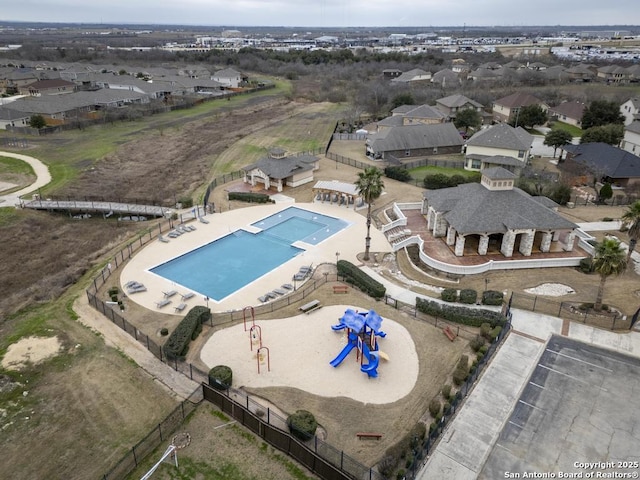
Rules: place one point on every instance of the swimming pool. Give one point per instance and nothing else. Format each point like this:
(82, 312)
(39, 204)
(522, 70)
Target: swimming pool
(220, 268)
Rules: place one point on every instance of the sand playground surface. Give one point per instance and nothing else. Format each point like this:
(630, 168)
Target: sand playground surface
(31, 350)
(300, 349)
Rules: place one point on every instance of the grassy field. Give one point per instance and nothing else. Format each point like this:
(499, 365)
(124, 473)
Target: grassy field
(222, 450)
(419, 173)
(572, 129)
(16, 172)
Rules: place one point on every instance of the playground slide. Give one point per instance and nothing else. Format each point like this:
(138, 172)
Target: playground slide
(371, 368)
(343, 354)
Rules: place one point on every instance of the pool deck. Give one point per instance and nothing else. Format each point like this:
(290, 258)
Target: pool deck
(349, 242)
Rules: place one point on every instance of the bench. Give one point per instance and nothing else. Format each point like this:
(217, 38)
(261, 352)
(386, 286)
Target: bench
(362, 435)
(449, 333)
(340, 288)
(311, 306)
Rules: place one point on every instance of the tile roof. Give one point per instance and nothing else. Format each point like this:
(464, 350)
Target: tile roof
(606, 159)
(471, 208)
(502, 136)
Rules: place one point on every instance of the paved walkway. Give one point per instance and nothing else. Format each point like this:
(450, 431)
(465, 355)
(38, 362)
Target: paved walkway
(43, 177)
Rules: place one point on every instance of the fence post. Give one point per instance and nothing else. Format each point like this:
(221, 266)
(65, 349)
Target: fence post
(160, 431)
(560, 309)
(535, 299)
(135, 459)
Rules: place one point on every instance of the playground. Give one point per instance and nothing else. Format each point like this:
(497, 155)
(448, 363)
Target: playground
(301, 350)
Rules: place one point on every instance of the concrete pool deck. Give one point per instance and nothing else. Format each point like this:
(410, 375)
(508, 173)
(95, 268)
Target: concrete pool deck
(349, 242)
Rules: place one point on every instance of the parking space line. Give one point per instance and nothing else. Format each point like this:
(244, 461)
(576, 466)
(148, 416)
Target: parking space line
(579, 360)
(571, 377)
(530, 405)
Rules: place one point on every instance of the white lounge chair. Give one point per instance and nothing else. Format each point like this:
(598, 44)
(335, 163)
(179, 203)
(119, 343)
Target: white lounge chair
(187, 296)
(163, 303)
(180, 307)
(162, 239)
(203, 220)
(170, 293)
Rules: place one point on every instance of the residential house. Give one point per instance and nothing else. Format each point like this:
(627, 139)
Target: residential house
(278, 170)
(508, 107)
(48, 87)
(13, 118)
(396, 143)
(631, 140)
(612, 74)
(415, 114)
(581, 73)
(501, 145)
(452, 104)
(556, 74)
(446, 78)
(600, 162)
(568, 112)
(495, 217)
(484, 75)
(537, 66)
(230, 78)
(630, 110)
(391, 73)
(411, 77)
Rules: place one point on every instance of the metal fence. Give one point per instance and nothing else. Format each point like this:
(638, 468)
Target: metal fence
(569, 310)
(324, 460)
(154, 438)
(614, 201)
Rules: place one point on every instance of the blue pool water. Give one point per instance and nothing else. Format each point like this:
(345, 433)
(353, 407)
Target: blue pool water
(227, 264)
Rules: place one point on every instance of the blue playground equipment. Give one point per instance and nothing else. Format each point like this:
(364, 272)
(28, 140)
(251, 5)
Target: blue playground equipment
(363, 328)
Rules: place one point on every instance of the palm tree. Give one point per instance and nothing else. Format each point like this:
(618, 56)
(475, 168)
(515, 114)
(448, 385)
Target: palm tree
(631, 219)
(369, 185)
(609, 259)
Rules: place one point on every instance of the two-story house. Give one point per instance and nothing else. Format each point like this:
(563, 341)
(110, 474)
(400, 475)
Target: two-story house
(500, 145)
(508, 107)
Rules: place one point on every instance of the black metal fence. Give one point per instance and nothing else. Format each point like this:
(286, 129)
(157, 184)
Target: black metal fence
(571, 311)
(154, 438)
(324, 460)
(614, 201)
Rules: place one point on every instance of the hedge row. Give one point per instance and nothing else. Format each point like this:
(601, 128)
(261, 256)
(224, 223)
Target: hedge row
(463, 315)
(250, 197)
(358, 278)
(188, 329)
(398, 173)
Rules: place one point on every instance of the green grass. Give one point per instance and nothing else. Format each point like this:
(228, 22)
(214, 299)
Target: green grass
(572, 129)
(15, 166)
(419, 173)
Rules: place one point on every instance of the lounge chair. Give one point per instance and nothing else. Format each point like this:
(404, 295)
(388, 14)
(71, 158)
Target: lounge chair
(203, 220)
(183, 229)
(137, 289)
(190, 228)
(131, 283)
(270, 295)
(287, 286)
(170, 293)
(163, 303)
(298, 277)
(172, 235)
(187, 296)
(305, 269)
(180, 307)
(263, 299)
(162, 239)
(279, 291)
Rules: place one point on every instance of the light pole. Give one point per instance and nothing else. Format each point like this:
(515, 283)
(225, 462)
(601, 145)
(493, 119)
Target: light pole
(206, 299)
(337, 258)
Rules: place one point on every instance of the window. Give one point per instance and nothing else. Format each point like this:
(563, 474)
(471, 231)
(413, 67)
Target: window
(407, 152)
(435, 150)
(475, 164)
(520, 153)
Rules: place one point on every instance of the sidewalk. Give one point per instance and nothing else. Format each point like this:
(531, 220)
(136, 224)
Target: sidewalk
(43, 177)
(468, 440)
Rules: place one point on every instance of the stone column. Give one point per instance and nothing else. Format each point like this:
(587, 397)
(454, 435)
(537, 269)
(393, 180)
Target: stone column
(545, 245)
(440, 227)
(451, 235)
(430, 215)
(483, 244)
(570, 241)
(526, 243)
(508, 241)
(459, 250)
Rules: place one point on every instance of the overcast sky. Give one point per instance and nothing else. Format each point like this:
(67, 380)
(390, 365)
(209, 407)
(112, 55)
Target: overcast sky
(318, 13)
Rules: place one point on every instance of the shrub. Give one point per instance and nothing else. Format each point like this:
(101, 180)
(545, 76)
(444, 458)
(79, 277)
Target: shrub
(449, 295)
(495, 331)
(479, 356)
(387, 465)
(221, 377)
(492, 297)
(250, 197)
(188, 329)
(461, 371)
(483, 349)
(434, 407)
(446, 407)
(358, 278)
(586, 265)
(418, 432)
(485, 330)
(477, 343)
(187, 202)
(400, 474)
(113, 291)
(468, 296)
(473, 317)
(446, 391)
(164, 331)
(436, 181)
(432, 426)
(302, 424)
(398, 173)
